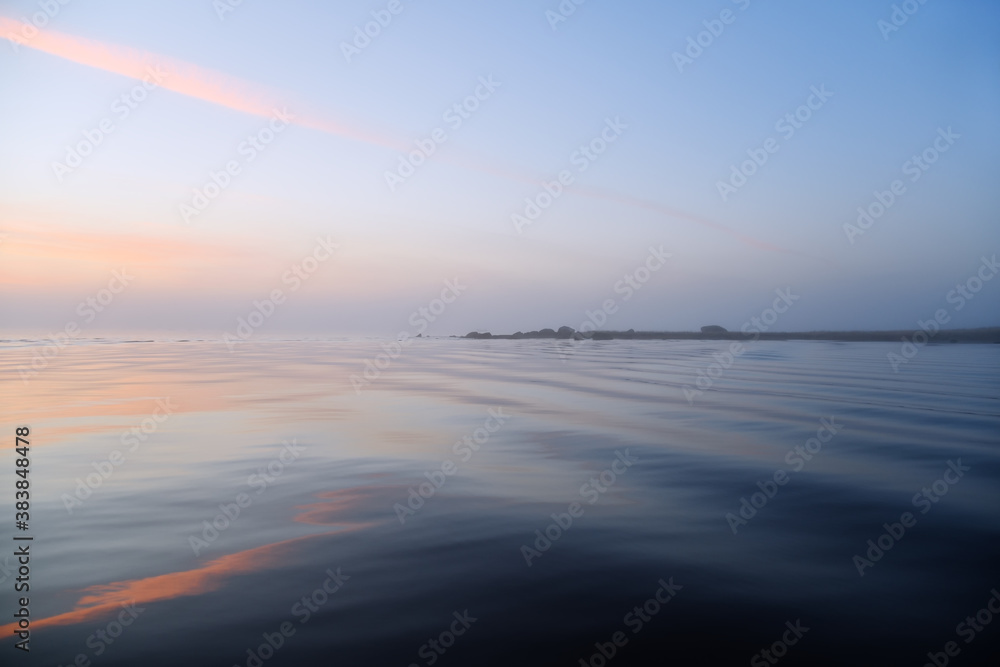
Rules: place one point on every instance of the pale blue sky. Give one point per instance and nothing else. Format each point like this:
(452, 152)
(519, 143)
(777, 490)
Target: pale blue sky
(452, 218)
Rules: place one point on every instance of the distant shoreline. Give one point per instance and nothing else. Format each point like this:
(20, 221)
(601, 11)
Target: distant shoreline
(981, 335)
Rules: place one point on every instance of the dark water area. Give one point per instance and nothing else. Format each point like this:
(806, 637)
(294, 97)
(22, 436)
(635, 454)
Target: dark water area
(391, 520)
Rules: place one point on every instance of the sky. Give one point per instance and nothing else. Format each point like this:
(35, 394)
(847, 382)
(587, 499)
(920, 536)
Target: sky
(337, 167)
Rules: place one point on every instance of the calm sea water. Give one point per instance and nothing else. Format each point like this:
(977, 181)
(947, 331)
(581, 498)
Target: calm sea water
(393, 521)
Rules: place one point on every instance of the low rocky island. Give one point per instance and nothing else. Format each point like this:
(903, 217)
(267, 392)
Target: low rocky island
(715, 332)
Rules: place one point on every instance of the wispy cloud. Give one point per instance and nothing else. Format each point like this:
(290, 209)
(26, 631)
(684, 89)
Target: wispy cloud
(258, 100)
(184, 78)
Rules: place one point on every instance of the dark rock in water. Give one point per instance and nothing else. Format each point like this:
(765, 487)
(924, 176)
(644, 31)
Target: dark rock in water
(603, 335)
(517, 335)
(565, 332)
(547, 333)
(628, 335)
(476, 334)
(713, 329)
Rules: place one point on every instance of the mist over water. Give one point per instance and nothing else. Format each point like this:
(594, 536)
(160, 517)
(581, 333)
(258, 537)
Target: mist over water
(415, 500)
